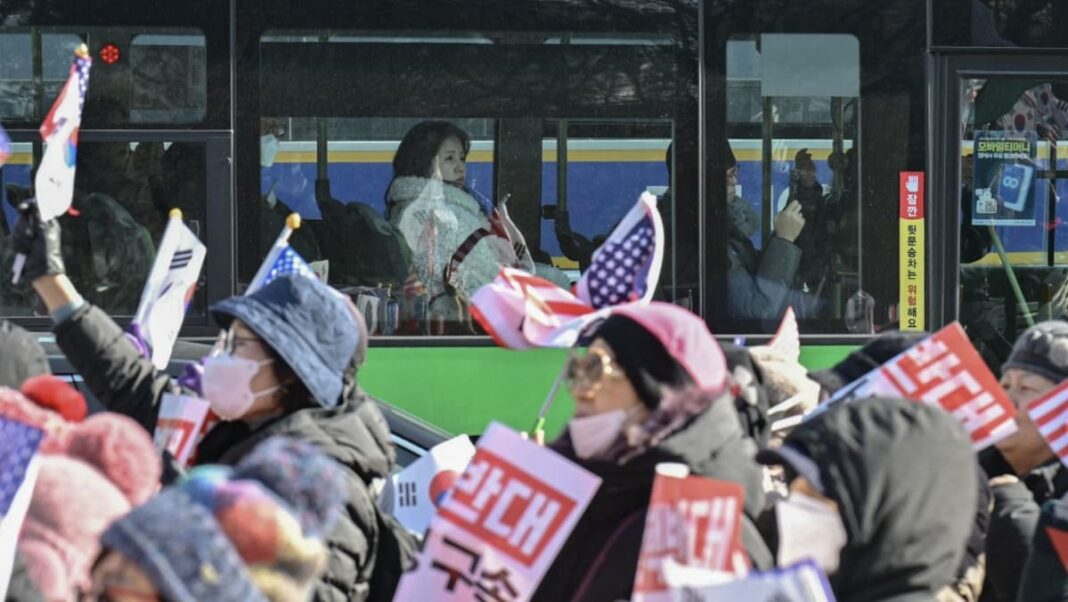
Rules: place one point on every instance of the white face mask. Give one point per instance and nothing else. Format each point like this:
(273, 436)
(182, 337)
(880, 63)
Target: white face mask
(809, 528)
(227, 384)
(591, 435)
(268, 150)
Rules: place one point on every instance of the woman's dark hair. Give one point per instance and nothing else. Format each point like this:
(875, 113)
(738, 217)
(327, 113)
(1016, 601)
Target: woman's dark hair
(415, 155)
(296, 395)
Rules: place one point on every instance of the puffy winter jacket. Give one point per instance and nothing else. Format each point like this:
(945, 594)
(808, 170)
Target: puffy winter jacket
(436, 219)
(354, 434)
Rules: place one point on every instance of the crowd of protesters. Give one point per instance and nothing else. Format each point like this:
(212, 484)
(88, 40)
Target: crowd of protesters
(281, 502)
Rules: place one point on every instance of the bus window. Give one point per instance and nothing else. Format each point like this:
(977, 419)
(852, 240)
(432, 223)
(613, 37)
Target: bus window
(143, 76)
(792, 200)
(123, 191)
(422, 163)
(1013, 232)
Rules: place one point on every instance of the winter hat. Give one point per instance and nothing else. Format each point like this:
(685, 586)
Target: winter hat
(685, 339)
(21, 356)
(54, 393)
(121, 450)
(643, 359)
(873, 354)
(71, 507)
(311, 484)
(803, 160)
(182, 550)
(15, 406)
(305, 324)
(283, 561)
(1042, 349)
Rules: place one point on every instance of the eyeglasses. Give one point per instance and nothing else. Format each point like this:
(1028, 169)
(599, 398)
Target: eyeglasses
(589, 370)
(229, 341)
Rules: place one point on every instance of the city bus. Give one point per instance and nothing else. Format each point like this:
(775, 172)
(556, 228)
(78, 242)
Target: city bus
(239, 112)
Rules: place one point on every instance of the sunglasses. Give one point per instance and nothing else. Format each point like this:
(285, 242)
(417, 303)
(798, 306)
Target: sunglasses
(589, 370)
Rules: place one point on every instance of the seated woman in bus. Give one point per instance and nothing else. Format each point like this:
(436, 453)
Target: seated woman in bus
(459, 239)
(759, 284)
(286, 368)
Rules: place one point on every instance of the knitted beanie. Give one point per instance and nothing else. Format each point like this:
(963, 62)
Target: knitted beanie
(181, 549)
(645, 361)
(72, 505)
(310, 484)
(1043, 350)
(120, 449)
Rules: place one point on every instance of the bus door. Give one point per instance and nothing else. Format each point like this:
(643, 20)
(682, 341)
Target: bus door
(1003, 162)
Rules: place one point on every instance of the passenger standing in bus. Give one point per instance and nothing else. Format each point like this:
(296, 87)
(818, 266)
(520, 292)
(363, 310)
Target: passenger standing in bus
(652, 387)
(759, 284)
(459, 238)
(284, 369)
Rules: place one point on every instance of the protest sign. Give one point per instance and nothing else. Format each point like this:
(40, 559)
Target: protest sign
(943, 370)
(1004, 171)
(18, 475)
(1050, 415)
(418, 490)
(169, 289)
(180, 425)
(502, 524)
(802, 582)
(693, 521)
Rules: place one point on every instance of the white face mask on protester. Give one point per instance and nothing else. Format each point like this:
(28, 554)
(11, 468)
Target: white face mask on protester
(268, 150)
(809, 528)
(227, 384)
(591, 435)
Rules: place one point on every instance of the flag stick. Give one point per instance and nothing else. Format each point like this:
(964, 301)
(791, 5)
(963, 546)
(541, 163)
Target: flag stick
(539, 425)
(292, 223)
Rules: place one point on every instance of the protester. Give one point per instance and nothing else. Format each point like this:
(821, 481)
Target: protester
(170, 549)
(882, 496)
(653, 387)
(881, 349)
(282, 372)
(1022, 469)
(1045, 576)
(276, 506)
(459, 239)
(89, 473)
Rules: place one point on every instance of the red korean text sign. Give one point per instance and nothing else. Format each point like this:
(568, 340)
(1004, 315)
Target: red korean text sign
(693, 521)
(502, 524)
(946, 370)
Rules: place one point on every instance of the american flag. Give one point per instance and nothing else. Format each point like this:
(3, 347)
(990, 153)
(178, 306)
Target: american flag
(18, 474)
(5, 146)
(1050, 415)
(281, 261)
(54, 182)
(520, 310)
(627, 266)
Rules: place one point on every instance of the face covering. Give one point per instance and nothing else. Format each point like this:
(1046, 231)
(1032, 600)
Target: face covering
(227, 385)
(743, 216)
(268, 150)
(591, 435)
(809, 528)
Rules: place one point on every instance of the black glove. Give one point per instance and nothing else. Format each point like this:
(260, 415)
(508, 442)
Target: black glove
(38, 241)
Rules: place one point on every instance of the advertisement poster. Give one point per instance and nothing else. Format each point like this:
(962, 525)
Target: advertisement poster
(1003, 190)
(501, 525)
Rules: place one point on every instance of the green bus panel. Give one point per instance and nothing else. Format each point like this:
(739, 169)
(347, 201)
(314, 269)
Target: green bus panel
(461, 389)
